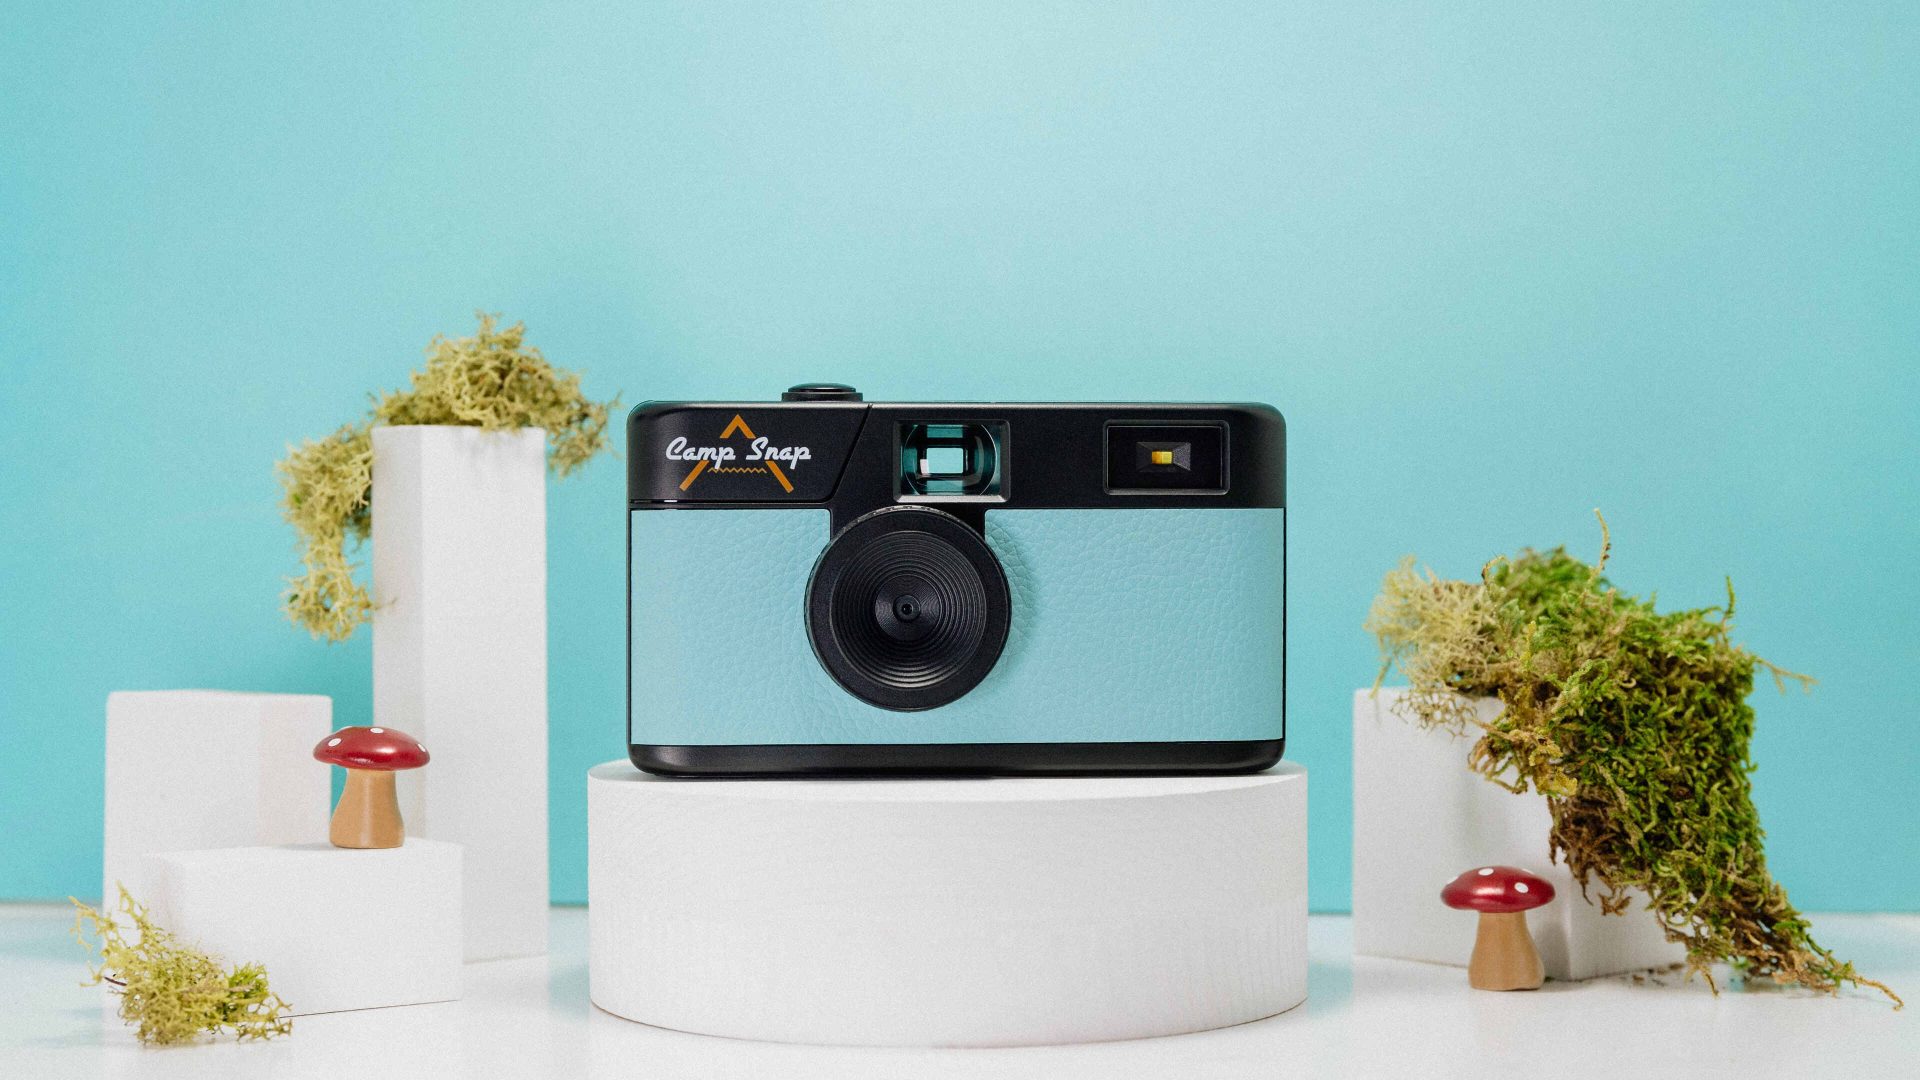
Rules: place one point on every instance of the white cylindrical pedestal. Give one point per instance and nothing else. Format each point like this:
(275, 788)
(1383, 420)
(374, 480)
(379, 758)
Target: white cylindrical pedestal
(947, 912)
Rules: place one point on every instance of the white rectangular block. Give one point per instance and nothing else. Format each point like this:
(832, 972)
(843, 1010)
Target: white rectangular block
(1421, 816)
(209, 768)
(335, 928)
(460, 659)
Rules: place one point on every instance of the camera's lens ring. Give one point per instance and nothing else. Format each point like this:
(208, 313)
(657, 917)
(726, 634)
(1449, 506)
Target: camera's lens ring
(908, 608)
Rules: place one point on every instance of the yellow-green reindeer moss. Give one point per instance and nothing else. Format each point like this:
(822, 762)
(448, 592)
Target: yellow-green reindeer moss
(492, 380)
(1635, 727)
(171, 992)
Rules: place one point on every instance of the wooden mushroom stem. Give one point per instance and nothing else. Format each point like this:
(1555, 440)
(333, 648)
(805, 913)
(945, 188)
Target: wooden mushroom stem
(1503, 954)
(368, 815)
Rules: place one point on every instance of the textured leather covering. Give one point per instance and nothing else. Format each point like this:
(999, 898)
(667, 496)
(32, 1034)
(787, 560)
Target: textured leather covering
(1128, 625)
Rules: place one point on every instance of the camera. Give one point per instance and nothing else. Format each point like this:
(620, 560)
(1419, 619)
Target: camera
(824, 585)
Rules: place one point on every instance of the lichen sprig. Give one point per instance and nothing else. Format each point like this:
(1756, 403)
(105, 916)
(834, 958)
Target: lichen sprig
(172, 992)
(1635, 726)
(495, 381)
(492, 380)
(327, 496)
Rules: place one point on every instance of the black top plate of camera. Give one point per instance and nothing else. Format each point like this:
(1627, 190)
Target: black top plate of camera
(855, 456)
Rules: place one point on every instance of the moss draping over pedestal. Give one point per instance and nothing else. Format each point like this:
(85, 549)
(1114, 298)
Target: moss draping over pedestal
(1633, 724)
(491, 380)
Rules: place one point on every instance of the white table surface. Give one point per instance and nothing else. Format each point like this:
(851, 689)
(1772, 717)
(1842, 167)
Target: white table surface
(1363, 1017)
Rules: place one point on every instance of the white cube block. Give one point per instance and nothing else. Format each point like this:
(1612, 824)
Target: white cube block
(209, 768)
(460, 658)
(997, 912)
(1421, 816)
(335, 928)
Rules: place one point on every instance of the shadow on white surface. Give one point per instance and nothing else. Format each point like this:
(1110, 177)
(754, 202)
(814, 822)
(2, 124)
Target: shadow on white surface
(1363, 1016)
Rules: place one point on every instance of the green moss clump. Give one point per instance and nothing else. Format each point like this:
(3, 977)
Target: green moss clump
(492, 380)
(327, 496)
(173, 993)
(1633, 724)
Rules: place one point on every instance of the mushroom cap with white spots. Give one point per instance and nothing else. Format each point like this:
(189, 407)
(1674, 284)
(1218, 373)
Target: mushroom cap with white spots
(1497, 890)
(382, 749)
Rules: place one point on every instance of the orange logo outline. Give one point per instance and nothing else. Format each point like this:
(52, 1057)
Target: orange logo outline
(739, 424)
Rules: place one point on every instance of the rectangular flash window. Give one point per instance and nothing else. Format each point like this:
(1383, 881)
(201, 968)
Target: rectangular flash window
(1167, 457)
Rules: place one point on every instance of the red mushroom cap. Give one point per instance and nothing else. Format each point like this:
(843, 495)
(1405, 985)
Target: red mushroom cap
(1497, 890)
(383, 748)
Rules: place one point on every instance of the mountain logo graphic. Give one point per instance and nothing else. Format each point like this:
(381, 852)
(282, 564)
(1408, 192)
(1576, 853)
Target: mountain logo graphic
(760, 455)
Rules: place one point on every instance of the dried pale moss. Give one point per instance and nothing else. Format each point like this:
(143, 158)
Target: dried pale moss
(327, 487)
(1635, 727)
(492, 380)
(171, 992)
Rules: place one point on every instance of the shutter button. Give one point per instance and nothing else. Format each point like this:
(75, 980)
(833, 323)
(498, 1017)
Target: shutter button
(821, 391)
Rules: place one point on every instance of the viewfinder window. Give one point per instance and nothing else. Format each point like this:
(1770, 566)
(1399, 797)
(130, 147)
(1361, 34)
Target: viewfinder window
(964, 460)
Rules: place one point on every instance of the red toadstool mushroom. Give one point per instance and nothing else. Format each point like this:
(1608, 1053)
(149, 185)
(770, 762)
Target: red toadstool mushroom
(368, 815)
(1503, 954)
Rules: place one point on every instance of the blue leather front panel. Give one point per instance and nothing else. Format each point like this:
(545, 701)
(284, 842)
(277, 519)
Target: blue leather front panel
(1128, 625)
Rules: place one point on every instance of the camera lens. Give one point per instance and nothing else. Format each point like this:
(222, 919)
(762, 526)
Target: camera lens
(907, 608)
(903, 616)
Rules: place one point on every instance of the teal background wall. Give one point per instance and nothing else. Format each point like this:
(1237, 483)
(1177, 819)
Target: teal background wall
(1498, 264)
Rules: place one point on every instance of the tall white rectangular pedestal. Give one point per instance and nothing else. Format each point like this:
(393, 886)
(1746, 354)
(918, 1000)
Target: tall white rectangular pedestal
(1421, 816)
(208, 768)
(460, 659)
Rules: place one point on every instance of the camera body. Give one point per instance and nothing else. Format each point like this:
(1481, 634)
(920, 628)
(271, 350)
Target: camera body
(828, 586)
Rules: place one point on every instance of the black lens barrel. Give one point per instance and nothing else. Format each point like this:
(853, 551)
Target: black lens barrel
(908, 608)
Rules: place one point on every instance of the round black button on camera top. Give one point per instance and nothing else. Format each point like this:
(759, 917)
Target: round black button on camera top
(908, 608)
(821, 391)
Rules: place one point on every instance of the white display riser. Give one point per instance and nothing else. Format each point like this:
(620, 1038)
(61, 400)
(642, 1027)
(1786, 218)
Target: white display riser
(335, 928)
(209, 768)
(947, 912)
(460, 658)
(1421, 816)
